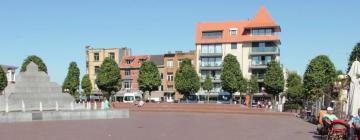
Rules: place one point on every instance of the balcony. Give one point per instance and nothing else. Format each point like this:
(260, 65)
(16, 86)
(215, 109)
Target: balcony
(259, 65)
(214, 79)
(210, 54)
(265, 51)
(260, 77)
(210, 66)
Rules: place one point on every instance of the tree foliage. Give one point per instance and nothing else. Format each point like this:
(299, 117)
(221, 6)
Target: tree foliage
(319, 77)
(72, 80)
(3, 79)
(295, 87)
(186, 78)
(355, 54)
(253, 85)
(108, 78)
(149, 77)
(208, 83)
(86, 84)
(207, 86)
(37, 60)
(231, 77)
(274, 79)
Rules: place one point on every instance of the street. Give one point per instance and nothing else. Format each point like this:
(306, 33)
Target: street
(165, 126)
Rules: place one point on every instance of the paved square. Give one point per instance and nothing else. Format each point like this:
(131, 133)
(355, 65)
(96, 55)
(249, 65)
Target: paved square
(165, 126)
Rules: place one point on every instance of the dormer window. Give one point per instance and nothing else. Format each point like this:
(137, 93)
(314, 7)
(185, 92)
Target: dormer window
(141, 61)
(212, 34)
(233, 31)
(128, 61)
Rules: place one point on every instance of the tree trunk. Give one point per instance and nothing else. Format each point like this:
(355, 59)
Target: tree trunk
(240, 99)
(208, 98)
(231, 98)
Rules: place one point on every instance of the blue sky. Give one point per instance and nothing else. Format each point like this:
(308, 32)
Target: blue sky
(57, 31)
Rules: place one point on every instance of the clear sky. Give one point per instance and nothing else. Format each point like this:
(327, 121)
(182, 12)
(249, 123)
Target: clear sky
(57, 31)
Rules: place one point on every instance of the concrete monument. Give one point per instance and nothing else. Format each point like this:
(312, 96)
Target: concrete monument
(34, 89)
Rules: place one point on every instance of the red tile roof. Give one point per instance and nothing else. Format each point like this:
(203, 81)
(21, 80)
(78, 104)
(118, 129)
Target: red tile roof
(261, 20)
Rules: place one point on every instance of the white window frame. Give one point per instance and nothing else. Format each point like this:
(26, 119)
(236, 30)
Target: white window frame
(231, 31)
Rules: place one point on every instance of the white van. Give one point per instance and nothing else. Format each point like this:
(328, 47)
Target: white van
(131, 97)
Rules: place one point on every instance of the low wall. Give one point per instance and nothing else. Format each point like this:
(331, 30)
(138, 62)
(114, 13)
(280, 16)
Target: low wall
(63, 115)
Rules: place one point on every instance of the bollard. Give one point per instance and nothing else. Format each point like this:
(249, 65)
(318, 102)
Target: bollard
(56, 106)
(71, 106)
(7, 107)
(95, 106)
(22, 106)
(102, 105)
(41, 107)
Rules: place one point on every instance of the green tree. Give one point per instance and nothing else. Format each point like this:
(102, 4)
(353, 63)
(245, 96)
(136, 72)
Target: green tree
(231, 77)
(186, 79)
(208, 85)
(355, 55)
(294, 85)
(3, 79)
(37, 60)
(108, 78)
(149, 77)
(253, 87)
(319, 77)
(274, 79)
(86, 84)
(72, 80)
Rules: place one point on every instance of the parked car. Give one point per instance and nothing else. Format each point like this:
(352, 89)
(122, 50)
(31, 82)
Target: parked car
(132, 97)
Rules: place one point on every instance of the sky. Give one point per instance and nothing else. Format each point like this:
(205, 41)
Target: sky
(58, 31)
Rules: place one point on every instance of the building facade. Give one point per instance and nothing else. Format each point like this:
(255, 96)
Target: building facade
(254, 42)
(96, 56)
(130, 68)
(10, 75)
(172, 62)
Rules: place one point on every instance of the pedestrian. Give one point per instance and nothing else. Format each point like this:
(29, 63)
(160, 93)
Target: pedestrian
(106, 104)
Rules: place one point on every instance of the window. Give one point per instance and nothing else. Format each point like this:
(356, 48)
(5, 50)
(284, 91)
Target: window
(211, 48)
(170, 76)
(112, 55)
(161, 75)
(218, 48)
(128, 61)
(170, 63)
(212, 34)
(127, 72)
(204, 48)
(233, 46)
(141, 61)
(96, 56)
(179, 62)
(233, 31)
(127, 85)
(218, 61)
(211, 61)
(262, 31)
(96, 69)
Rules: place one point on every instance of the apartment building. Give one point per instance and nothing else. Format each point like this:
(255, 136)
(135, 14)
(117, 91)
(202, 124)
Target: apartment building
(96, 56)
(255, 42)
(172, 62)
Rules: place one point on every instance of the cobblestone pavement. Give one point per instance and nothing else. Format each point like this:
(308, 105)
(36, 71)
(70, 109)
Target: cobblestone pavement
(165, 126)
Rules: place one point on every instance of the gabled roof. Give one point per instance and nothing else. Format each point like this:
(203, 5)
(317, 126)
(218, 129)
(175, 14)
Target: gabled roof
(262, 19)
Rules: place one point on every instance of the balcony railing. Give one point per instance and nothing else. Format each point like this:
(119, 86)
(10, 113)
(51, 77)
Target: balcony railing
(211, 54)
(265, 50)
(259, 64)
